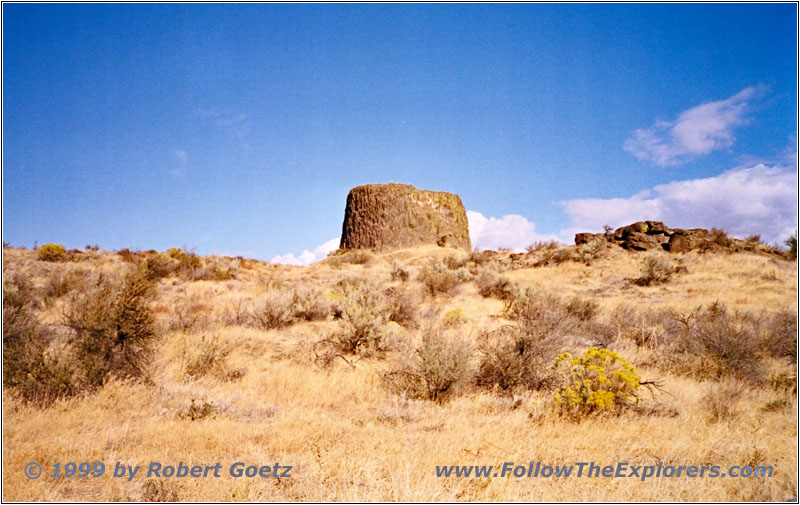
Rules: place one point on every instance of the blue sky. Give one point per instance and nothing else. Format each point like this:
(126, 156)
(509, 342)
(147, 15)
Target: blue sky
(239, 128)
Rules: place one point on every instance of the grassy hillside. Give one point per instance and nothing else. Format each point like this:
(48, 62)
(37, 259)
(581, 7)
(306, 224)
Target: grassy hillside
(364, 372)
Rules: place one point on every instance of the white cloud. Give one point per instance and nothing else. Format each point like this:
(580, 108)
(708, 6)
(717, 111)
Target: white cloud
(757, 199)
(308, 257)
(696, 132)
(512, 231)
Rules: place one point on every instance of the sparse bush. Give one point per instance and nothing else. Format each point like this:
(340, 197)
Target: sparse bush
(402, 307)
(127, 255)
(784, 382)
(720, 237)
(791, 244)
(198, 411)
(357, 256)
(309, 304)
(715, 345)
(51, 252)
(454, 318)
(491, 284)
(28, 369)
(238, 312)
(654, 270)
(721, 400)
(62, 282)
(364, 317)
(553, 256)
(209, 357)
(160, 265)
(599, 381)
(511, 358)
(780, 335)
(188, 314)
(112, 326)
(454, 262)
(582, 309)
(588, 252)
(158, 491)
(648, 327)
(477, 257)
(437, 278)
(273, 310)
(216, 269)
(433, 369)
(519, 355)
(541, 244)
(399, 272)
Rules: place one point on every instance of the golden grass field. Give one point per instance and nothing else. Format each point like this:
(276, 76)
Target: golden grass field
(265, 396)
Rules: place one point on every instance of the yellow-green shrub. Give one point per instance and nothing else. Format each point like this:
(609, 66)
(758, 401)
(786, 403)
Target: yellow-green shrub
(51, 252)
(599, 381)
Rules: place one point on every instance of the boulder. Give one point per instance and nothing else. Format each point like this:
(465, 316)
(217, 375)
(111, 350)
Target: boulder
(678, 243)
(383, 217)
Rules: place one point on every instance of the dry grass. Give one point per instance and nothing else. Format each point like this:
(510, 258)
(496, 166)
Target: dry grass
(227, 390)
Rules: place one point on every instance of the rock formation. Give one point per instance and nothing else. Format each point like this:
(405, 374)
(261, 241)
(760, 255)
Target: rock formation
(383, 217)
(646, 235)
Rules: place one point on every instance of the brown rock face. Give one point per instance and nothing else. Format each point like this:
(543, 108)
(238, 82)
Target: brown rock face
(383, 217)
(647, 235)
(678, 243)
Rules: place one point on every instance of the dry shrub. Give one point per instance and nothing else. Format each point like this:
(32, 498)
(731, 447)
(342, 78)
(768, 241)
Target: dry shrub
(127, 255)
(401, 306)
(494, 285)
(310, 304)
(477, 257)
(112, 326)
(553, 256)
(399, 272)
(454, 262)
(582, 309)
(188, 313)
(280, 308)
(519, 355)
(238, 312)
(158, 491)
(588, 252)
(160, 265)
(651, 328)
(62, 282)
(209, 357)
(541, 245)
(512, 359)
(362, 328)
(29, 370)
(356, 256)
(654, 270)
(198, 411)
(720, 237)
(714, 345)
(432, 370)
(721, 400)
(780, 335)
(437, 278)
(273, 310)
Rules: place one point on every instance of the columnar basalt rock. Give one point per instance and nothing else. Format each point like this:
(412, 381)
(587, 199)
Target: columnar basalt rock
(383, 217)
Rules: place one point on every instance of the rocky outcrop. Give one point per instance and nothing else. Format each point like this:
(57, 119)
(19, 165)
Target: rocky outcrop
(383, 217)
(648, 235)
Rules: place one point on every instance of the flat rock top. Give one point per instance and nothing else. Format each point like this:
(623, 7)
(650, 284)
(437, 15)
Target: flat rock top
(390, 216)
